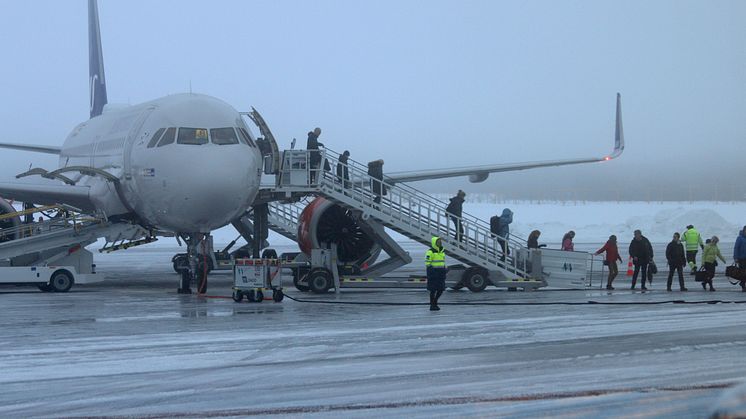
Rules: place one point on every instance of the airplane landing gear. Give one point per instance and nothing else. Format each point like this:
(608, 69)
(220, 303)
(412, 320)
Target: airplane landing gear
(199, 247)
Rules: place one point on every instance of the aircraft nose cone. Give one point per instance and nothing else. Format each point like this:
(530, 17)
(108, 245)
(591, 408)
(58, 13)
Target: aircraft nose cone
(212, 190)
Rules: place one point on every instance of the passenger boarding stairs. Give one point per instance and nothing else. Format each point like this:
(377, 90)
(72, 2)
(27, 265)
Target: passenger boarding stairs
(402, 208)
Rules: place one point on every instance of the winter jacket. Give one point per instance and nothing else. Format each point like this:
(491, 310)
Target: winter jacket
(343, 171)
(693, 239)
(712, 252)
(642, 250)
(533, 243)
(435, 262)
(456, 207)
(505, 219)
(612, 252)
(675, 254)
(739, 250)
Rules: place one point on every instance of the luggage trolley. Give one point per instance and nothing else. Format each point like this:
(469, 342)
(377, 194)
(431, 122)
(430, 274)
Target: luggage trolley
(253, 278)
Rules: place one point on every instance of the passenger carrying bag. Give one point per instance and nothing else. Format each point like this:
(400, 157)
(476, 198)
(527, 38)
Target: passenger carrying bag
(736, 273)
(701, 275)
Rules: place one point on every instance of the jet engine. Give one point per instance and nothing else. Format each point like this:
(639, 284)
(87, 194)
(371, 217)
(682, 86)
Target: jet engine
(323, 222)
(14, 221)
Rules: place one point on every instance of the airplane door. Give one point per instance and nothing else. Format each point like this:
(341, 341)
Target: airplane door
(134, 136)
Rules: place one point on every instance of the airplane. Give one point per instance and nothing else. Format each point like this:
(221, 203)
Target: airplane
(181, 165)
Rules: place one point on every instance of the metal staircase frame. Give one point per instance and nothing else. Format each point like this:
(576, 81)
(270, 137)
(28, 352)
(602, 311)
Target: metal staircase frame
(402, 208)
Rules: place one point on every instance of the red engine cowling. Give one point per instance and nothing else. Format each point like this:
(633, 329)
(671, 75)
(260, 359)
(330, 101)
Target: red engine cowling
(323, 222)
(6, 208)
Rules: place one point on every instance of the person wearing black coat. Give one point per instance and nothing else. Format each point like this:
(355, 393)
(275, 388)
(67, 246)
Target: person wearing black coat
(312, 145)
(375, 171)
(454, 210)
(343, 170)
(642, 253)
(676, 258)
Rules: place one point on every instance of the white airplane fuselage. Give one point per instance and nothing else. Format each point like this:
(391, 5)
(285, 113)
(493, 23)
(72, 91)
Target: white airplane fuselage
(182, 188)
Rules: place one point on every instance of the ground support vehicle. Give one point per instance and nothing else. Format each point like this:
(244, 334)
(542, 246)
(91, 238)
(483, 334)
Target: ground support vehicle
(257, 280)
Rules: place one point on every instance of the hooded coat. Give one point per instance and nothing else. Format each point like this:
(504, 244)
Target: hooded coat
(505, 219)
(435, 263)
(739, 250)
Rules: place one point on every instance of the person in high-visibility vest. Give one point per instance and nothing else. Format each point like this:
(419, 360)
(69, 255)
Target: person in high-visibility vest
(435, 263)
(692, 239)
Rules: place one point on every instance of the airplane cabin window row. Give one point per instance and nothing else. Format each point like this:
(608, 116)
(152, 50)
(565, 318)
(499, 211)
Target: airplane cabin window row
(199, 136)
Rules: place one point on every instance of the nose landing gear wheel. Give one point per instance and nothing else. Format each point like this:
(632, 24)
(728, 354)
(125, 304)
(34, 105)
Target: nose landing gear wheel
(237, 296)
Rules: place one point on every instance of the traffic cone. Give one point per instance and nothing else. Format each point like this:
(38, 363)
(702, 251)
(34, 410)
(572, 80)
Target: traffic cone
(630, 269)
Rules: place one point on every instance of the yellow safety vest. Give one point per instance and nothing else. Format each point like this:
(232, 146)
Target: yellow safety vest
(435, 257)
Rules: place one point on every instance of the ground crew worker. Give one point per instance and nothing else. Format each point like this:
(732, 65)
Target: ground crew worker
(435, 263)
(692, 239)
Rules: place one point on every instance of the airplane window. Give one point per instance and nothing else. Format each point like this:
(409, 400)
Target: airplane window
(156, 137)
(223, 136)
(246, 137)
(168, 137)
(192, 136)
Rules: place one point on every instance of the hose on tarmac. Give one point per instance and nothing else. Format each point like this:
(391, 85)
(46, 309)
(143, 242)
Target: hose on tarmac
(517, 303)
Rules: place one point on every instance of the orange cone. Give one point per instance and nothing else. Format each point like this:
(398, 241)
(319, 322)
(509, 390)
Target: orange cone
(630, 269)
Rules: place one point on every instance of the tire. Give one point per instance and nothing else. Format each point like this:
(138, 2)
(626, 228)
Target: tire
(61, 281)
(45, 288)
(301, 288)
(179, 260)
(319, 280)
(255, 296)
(237, 296)
(476, 279)
(278, 296)
(269, 254)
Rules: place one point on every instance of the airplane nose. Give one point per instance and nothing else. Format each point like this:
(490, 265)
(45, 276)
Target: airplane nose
(210, 192)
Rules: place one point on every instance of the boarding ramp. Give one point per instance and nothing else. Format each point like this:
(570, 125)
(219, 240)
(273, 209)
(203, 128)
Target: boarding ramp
(405, 210)
(41, 243)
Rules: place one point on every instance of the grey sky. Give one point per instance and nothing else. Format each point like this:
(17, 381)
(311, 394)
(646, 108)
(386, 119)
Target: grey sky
(421, 84)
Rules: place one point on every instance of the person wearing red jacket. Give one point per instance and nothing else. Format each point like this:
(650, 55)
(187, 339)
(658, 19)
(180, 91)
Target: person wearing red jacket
(612, 255)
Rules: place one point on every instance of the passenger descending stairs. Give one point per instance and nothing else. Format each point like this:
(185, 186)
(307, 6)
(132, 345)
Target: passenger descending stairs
(403, 209)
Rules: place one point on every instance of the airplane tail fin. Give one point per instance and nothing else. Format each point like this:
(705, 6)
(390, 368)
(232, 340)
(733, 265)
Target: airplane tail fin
(619, 131)
(95, 62)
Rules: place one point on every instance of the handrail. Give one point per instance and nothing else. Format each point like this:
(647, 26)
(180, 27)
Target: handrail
(415, 211)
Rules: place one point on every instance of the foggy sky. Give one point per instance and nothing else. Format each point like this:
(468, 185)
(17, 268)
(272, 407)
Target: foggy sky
(421, 84)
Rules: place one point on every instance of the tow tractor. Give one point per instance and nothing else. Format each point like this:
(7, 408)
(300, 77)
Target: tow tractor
(47, 278)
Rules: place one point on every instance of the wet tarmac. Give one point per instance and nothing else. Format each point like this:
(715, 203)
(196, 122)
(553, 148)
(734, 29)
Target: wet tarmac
(131, 346)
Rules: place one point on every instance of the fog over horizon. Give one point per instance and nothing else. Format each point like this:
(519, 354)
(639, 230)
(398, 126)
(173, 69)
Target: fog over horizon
(421, 84)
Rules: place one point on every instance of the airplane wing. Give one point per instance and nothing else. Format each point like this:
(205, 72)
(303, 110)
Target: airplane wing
(36, 148)
(75, 196)
(480, 173)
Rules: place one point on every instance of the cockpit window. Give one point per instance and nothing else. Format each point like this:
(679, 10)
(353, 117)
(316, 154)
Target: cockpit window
(246, 137)
(193, 136)
(156, 137)
(223, 136)
(168, 137)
